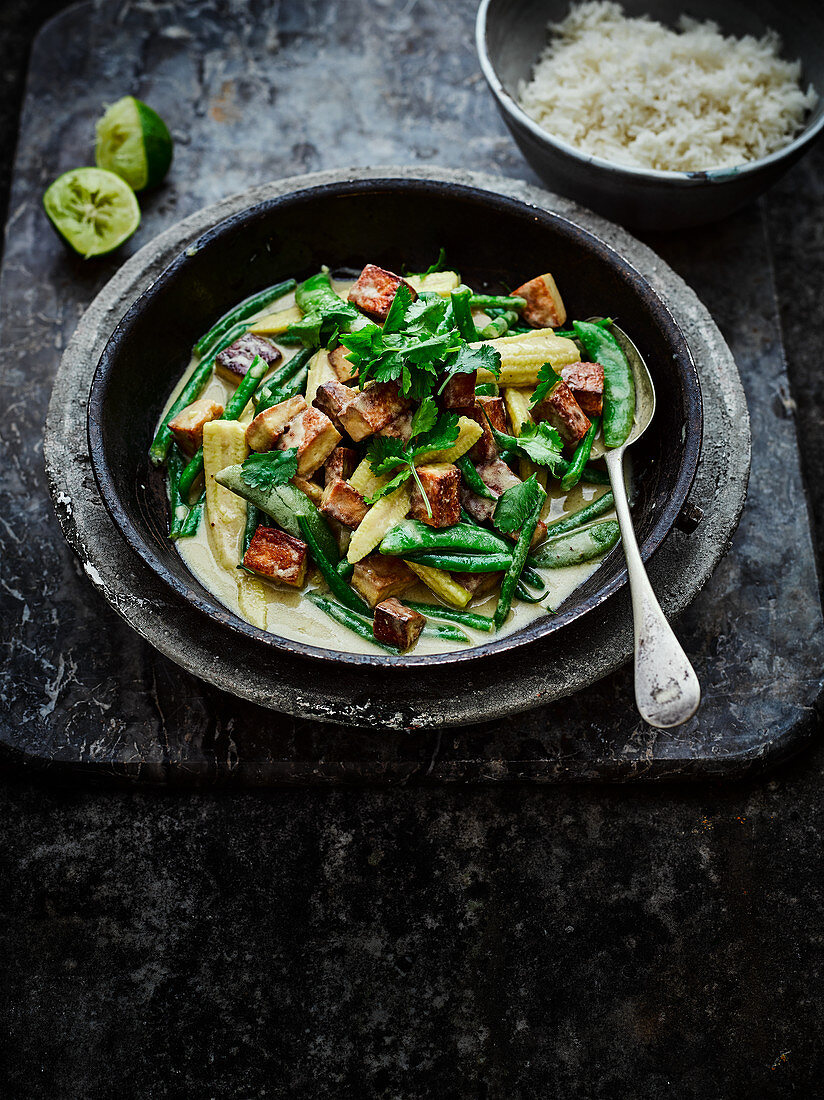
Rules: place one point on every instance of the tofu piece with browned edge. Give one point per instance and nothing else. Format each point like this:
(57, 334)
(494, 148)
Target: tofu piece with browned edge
(375, 290)
(343, 502)
(344, 370)
(377, 577)
(277, 556)
(586, 384)
(268, 426)
(315, 437)
(484, 410)
(333, 399)
(340, 465)
(233, 362)
(187, 426)
(497, 477)
(544, 305)
(459, 391)
(442, 484)
(371, 409)
(560, 409)
(479, 584)
(396, 624)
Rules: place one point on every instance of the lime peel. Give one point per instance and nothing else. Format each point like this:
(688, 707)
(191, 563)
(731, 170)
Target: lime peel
(134, 142)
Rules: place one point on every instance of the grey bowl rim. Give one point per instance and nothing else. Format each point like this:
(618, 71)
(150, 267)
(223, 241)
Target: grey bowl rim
(537, 629)
(694, 178)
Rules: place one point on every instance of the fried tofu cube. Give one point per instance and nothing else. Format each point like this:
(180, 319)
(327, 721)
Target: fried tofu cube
(343, 502)
(277, 556)
(344, 370)
(377, 577)
(459, 391)
(544, 305)
(265, 429)
(333, 399)
(375, 290)
(371, 409)
(315, 437)
(560, 409)
(486, 410)
(586, 383)
(233, 362)
(340, 465)
(187, 426)
(479, 584)
(399, 428)
(398, 625)
(442, 484)
(497, 477)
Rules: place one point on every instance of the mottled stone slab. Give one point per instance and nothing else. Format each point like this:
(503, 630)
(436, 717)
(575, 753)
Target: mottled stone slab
(320, 85)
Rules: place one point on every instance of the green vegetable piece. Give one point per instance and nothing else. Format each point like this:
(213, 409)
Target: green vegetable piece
(498, 301)
(579, 460)
(517, 504)
(464, 563)
(472, 478)
(451, 614)
(358, 624)
(619, 383)
(577, 547)
(573, 520)
(462, 312)
(513, 573)
(243, 311)
(262, 471)
(548, 379)
(412, 537)
(253, 520)
(192, 521)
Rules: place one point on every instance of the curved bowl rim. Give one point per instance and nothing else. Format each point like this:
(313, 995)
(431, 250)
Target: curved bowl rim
(695, 178)
(221, 616)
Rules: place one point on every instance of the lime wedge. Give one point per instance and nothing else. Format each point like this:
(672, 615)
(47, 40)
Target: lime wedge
(133, 142)
(94, 211)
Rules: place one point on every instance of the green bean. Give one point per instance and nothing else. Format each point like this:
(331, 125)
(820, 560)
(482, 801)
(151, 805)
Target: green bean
(190, 392)
(579, 460)
(522, 593)
(445, 632)
(499, 326)
(411, 537)
(619, 383)
(590, 474)
(318, 546)
(438, 611)
(235, 406)
(358, 624)
(578, 546)
(513, 573)
(177, 506)
(247, 308)
(582, 517)
(345, 568)
(464, 563)
(253, 518)
(472, 478)
(269, 392)
(192, 521)
(463, 314)
(497, 301)
(533, 579)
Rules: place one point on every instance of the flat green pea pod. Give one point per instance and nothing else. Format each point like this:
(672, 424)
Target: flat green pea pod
(579, 460)
(464, 563)
(413, 537)
(619, 383)
(577, 547)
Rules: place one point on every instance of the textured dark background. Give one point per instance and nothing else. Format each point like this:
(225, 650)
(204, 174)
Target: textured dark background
(441, 943)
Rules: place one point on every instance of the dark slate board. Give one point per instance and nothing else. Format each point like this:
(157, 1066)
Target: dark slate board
(257, 92)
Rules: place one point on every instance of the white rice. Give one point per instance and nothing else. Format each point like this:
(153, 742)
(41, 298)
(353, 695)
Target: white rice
(636, 92)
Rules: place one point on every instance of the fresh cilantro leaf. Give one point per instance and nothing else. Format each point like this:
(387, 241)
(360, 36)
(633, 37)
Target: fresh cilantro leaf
(547, 378)
(385, 453)
(442, 435)
(426, 314)
(517, 504)
(396, 318)
(541, 443)
(390, 486)
(466, 360)
(264, 471)
(425, 416)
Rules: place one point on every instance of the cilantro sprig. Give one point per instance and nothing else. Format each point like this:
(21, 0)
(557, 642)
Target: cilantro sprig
(431, 432)
(272, 468)
(538, 442)
(547, 378)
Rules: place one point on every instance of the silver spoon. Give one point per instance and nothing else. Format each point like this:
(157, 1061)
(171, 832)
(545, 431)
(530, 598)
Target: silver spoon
(667, 691)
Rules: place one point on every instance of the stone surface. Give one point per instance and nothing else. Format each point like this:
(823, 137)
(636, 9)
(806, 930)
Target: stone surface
(71, 679)
(497, 942)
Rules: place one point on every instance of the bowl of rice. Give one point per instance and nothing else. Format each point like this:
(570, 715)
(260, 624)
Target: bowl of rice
(659, 116)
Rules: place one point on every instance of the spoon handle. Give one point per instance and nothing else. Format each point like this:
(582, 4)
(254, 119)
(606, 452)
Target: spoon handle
(667, 691)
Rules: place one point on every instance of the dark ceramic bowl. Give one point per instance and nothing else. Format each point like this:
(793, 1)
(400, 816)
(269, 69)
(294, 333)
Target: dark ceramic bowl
(510, 34)
(400, 224)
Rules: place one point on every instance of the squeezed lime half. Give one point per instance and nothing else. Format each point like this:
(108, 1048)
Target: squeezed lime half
(134, 142)
(93, 210)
